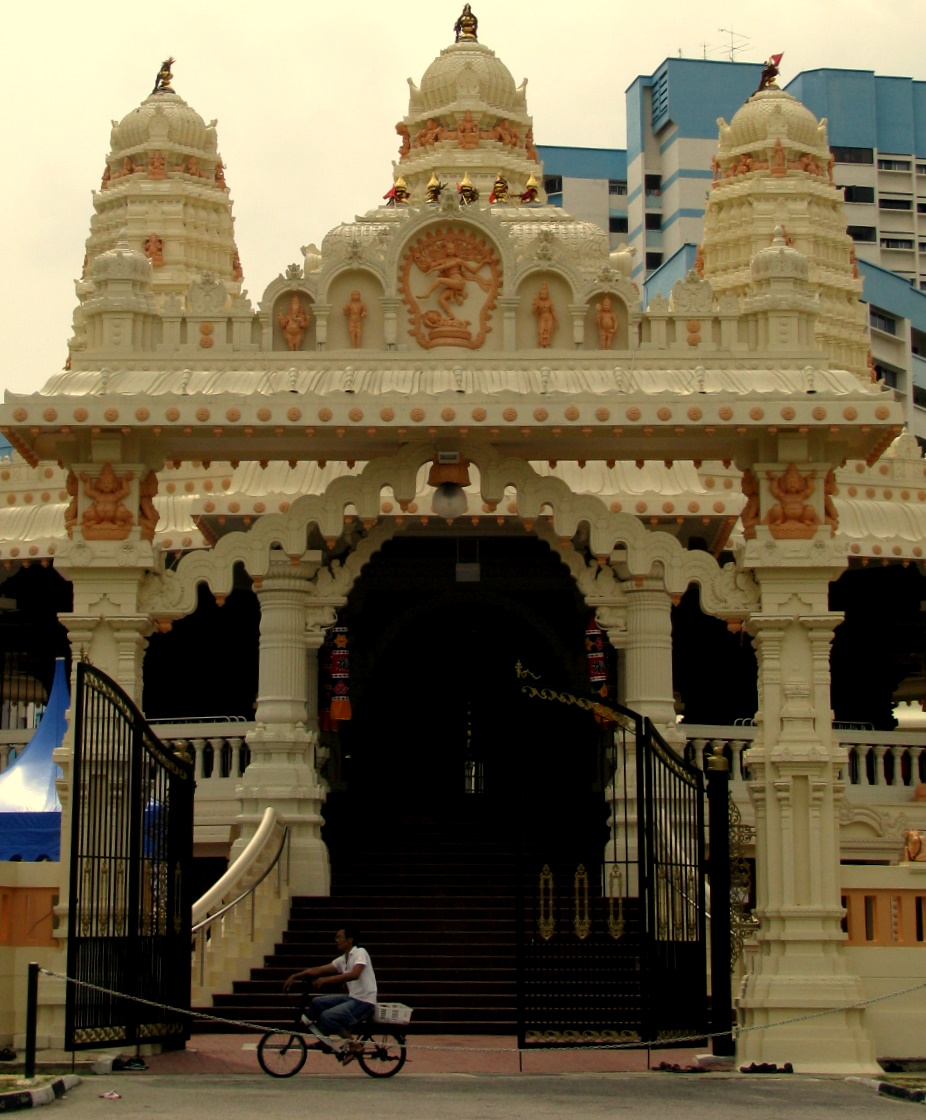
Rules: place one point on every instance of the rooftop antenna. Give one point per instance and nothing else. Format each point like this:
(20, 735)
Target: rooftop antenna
(738, 42)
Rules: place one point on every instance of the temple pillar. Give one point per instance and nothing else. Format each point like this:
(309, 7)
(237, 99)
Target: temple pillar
(283, 743)
(796, 787)
(646, 674)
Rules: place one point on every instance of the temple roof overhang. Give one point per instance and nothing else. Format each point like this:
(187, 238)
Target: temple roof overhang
(583, 410)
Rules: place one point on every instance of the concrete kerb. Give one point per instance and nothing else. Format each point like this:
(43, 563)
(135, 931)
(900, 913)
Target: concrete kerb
(35, 1098)
(889, 1089)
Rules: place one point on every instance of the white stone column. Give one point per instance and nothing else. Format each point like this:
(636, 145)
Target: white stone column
(647, 655)
(282, 768)
(794, 767)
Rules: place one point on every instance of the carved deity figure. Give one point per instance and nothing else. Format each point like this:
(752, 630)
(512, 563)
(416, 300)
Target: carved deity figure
(792, 516)
(454, 272)
(406, 146)
(127, 168)
(830, 516)
(547, 322)
(163, 80)
(699, 262)
(607, 322)
(154, 250)
(356, 311)
(237, 270)
(779, 159)
(500, 189)
(70, 514)
(148, 515)
(429, 134)
(220, 176)
(294, 322)
(191, 167)
(466, 26)
(106, 518)
(750, 512)
(914, 850)
(532, 152)
(468, 132)
(715, 168)
(157, 166)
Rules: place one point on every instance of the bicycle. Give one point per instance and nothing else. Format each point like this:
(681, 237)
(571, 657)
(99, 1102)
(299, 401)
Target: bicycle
(382, 1048)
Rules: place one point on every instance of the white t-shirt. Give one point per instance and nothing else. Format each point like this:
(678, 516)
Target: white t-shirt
(364, 987)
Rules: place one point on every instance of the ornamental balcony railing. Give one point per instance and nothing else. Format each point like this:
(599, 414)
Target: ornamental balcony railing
(877, 760)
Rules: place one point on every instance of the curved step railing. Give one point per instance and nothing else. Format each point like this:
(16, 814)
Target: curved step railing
(238, 920)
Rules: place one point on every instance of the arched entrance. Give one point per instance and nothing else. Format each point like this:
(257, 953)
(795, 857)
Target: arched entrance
(441, 736)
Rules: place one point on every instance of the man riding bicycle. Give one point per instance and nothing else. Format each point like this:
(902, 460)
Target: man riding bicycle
(337, 1014)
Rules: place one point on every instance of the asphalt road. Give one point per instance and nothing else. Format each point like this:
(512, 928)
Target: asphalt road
(649, 1096)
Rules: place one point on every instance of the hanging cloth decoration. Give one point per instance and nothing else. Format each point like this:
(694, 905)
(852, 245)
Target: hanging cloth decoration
(340, 672)
(597, 663)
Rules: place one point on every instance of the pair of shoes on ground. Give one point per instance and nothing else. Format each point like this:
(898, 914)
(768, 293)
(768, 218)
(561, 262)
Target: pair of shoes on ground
(128, 1063)
(767, 1067)
(672, 1067)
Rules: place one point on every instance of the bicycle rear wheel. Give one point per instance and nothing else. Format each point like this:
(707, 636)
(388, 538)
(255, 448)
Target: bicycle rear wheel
(383, 1053)
(281, 1054)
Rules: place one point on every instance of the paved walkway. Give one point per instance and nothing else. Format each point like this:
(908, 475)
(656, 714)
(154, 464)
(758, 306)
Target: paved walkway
(236, 1053)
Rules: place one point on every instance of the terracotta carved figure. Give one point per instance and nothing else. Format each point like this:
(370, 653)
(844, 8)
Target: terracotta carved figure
(70, 514)
(914, 851)
(830, 516)
(148, 515)
(792, 515)
(154, 250)
(294, 322)
(453, 274)
(468, 132)
(607, 322)
(406, 145)
(546, 316)
(356, 311)
(106, 518)
(157, 166)
(750, 512)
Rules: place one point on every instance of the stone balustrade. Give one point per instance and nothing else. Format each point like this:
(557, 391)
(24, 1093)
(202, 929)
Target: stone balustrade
(874, 759)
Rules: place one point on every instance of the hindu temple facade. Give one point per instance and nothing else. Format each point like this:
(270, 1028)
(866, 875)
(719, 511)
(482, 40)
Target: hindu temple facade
(467, 372)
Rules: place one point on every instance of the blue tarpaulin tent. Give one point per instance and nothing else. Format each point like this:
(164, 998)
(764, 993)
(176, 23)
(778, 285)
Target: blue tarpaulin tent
(30, 812)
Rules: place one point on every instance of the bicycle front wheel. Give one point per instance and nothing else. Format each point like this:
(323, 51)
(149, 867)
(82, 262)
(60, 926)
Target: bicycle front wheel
(383, 1052)
(281, 1054)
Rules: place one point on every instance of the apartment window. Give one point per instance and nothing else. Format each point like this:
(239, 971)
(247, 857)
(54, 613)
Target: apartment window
(882, 322)
(652, 221)
(854, 155)
(921, 169)
(895, 204)
(897, 243)
(893, 165)
(923, 285)
(617, 186)
(653, 260)
(617, 225)
(859, 194)
(923, 246)
(921, 208)
(862, 233)
(918, 341)
(553, 184)
(652, 184)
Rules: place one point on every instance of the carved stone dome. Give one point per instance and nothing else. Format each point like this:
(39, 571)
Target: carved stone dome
(770, 115)
(779, 261)
(122, 262)
(471, 73)
(163, 120)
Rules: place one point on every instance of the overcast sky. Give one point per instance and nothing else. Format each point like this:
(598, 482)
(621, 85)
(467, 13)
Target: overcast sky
(307, 95)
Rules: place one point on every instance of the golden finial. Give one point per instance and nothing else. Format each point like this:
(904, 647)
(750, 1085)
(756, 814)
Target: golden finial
(162, 81)
(466, 26)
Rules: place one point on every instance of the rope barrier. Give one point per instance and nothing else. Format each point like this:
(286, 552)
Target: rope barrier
(657, 1044)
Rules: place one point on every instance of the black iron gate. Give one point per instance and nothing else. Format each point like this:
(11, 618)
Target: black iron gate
(612, 944)
(131, 846)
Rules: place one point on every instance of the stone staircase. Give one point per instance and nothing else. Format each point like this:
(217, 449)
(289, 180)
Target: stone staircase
(437, 914)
